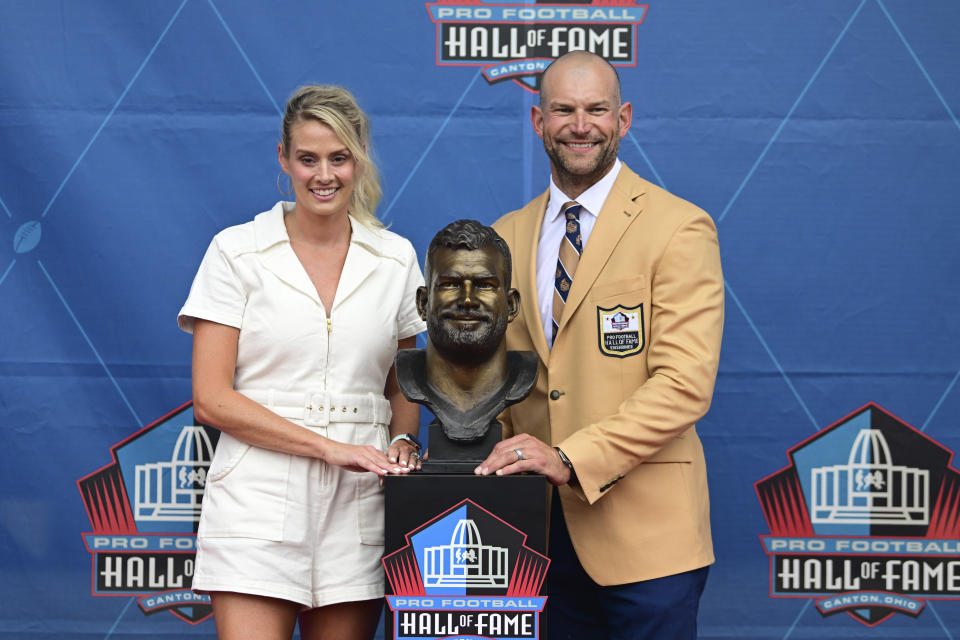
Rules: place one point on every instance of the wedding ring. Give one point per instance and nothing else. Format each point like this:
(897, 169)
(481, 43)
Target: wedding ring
(519, 454)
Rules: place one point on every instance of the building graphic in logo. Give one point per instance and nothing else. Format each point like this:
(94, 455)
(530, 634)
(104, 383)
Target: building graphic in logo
(869, 488)
(466, 561)
(516, 41)
(144, 508)
(466, 574)
(865, 520)
(172, 489)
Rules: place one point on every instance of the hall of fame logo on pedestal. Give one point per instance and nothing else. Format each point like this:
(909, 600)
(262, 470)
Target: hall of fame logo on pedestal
(865, 520)
(516, 41)
(144, 508)
(466, 574)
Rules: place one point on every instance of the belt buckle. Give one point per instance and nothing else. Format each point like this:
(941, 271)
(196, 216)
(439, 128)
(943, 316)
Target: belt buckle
(318, 410)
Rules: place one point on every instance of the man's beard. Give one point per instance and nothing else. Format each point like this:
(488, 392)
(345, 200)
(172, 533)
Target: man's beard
(464, 346)
(578, 175)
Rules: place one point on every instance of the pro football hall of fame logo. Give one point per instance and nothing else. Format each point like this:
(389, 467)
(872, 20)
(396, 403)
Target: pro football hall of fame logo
(865, 520)
(517, 41)
(465, 574)
(144, 508)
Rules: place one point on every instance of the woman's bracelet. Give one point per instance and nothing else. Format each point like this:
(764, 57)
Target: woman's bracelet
(409, 438)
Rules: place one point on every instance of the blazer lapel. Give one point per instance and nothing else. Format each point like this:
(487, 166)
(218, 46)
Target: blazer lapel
(525, 270)
(622, 207)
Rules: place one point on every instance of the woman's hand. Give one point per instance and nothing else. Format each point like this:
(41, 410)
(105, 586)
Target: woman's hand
(405, 454)
(355, 457)
(405, 420)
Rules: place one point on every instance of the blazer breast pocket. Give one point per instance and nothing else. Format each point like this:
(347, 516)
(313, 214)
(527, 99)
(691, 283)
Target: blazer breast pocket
(622, 309)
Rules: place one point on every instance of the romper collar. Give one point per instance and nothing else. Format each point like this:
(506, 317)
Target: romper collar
(270, 230)
(366, 249)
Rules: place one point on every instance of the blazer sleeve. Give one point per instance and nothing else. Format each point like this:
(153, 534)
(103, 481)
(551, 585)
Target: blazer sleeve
(686, 326)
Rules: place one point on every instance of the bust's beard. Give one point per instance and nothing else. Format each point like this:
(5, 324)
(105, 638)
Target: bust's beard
(466, 347)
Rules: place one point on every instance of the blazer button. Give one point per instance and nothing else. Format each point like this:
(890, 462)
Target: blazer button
(555, 395)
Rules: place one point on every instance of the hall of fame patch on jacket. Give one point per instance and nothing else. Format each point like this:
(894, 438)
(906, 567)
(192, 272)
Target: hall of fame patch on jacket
(620, 331)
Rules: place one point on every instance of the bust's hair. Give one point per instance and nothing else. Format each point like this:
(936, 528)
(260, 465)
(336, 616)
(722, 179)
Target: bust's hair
(337, 108)
(470, 235)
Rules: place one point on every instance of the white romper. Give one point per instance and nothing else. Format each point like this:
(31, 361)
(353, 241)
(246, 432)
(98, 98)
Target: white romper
(287, 526)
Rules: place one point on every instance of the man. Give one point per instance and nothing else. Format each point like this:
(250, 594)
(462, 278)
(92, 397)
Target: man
(466, 376)
(628, 355)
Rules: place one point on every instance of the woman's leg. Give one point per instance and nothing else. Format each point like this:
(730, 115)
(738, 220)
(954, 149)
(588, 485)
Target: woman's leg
(240, 616)
(342, 621)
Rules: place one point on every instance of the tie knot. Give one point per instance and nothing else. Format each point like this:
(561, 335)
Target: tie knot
(571, 210)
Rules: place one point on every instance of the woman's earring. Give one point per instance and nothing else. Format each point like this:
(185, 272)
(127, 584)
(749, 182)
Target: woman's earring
(286, 193)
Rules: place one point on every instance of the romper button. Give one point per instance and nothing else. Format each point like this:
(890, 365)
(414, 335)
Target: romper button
(555, 395)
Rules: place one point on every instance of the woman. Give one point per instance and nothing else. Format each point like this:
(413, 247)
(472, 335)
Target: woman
(296, 318)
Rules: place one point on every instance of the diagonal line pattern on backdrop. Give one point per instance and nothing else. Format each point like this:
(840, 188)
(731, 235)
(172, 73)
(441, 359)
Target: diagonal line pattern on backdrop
(4, 276)
(117, 621)
(936, 615)
(766, 348)
(786, 119)
(646, 159)
(797, 620)
(89, 343)
(919, 64)
(113, 110)
(426, 151)
(243, 54)
(3, 205)
(943, 397)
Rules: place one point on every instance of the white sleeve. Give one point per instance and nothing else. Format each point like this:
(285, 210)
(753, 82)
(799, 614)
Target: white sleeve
(216, 293)
(408, 319)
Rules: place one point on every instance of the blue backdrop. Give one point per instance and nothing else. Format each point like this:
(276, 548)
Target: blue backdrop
(821, 135)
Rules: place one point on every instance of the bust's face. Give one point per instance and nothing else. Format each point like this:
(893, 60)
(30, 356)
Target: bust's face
(468, 305)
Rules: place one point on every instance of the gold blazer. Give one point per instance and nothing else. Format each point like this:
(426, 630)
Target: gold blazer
(630, 373)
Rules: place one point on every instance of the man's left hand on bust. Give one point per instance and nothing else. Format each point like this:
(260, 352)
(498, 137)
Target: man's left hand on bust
(525, 453)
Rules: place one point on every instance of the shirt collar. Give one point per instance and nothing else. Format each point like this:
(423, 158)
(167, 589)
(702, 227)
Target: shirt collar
(590, 200)
(271, 230)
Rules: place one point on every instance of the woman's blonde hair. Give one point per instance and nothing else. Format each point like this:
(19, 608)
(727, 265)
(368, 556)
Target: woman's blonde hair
(337, 108)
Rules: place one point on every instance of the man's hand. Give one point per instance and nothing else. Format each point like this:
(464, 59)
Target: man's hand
(525, 453)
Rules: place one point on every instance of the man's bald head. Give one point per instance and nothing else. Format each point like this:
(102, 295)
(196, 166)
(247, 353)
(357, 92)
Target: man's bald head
(581, 62)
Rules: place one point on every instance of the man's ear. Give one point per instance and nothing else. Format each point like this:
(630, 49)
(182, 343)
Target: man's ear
(422, 302)
(625, 118)
(513, 304)
(536, 119)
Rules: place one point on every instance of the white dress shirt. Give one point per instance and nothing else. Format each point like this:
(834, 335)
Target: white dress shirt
(552, 231)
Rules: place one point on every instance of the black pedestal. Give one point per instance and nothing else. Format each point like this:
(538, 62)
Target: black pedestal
(465, 556)
(448, 456)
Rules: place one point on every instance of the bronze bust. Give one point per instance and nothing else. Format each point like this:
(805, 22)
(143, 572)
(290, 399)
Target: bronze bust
(466, 376)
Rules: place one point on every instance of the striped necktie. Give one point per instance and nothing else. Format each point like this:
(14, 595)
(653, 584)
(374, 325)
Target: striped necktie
(571, 246)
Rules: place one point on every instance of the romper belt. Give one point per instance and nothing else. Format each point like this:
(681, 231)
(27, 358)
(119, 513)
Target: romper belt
(320, 408)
